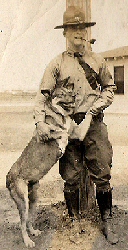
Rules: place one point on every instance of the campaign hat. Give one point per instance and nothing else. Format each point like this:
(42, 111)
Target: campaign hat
(74, 16)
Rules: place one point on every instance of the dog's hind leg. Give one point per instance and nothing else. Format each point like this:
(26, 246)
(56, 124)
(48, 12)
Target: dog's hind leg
(19, 192)
(32, 195)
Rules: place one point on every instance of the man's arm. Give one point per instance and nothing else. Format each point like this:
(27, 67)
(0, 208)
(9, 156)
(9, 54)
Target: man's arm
(103, 101)
(48, 83)
(107, 90)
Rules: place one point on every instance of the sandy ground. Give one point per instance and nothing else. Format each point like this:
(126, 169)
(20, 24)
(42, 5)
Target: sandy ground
(16, 129)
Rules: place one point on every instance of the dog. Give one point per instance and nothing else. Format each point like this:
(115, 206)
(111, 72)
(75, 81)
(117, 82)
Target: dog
(39, 156)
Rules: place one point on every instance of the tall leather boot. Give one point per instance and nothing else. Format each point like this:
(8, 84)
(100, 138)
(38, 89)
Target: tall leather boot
(104, 200)
(72, 200)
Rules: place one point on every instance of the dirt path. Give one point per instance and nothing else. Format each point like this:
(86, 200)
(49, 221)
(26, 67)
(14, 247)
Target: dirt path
(58, 234)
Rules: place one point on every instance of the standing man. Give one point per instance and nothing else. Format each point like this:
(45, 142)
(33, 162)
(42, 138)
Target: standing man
(93, 92)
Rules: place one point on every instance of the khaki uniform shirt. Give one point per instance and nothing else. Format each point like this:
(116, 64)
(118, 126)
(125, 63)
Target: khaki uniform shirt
(65, 66)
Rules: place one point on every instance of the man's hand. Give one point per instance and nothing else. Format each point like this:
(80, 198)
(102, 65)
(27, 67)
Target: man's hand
(94, 111)
(43, 131)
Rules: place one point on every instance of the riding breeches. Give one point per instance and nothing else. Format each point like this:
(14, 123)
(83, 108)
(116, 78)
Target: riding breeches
(94, 153)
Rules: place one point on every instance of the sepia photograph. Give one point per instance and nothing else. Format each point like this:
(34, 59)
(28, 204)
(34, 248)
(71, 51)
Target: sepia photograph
(64, 124)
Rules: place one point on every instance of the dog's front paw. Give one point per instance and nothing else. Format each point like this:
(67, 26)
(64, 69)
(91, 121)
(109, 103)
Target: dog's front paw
(28, 242)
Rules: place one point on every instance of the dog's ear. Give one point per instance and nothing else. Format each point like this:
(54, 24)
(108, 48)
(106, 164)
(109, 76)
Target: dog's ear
(62, 83)
(45, 92)
(71, 86)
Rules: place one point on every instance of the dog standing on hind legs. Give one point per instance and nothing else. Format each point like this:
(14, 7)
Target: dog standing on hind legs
(40, 155)
(34, 163)
(36, 160)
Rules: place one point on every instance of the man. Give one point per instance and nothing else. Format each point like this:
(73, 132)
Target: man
(72, 95)
(93, 92)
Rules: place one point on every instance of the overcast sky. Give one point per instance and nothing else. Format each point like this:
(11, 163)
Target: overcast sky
(29, 41)
(111, 30)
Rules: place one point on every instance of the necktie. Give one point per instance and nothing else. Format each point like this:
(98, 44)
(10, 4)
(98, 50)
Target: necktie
(91, 75)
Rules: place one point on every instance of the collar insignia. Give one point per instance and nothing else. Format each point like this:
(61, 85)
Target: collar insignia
(77, 18)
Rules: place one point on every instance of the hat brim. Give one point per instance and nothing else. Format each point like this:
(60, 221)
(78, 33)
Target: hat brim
(83, 25)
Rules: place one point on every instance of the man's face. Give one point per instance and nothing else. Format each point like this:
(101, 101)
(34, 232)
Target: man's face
(76, 36)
